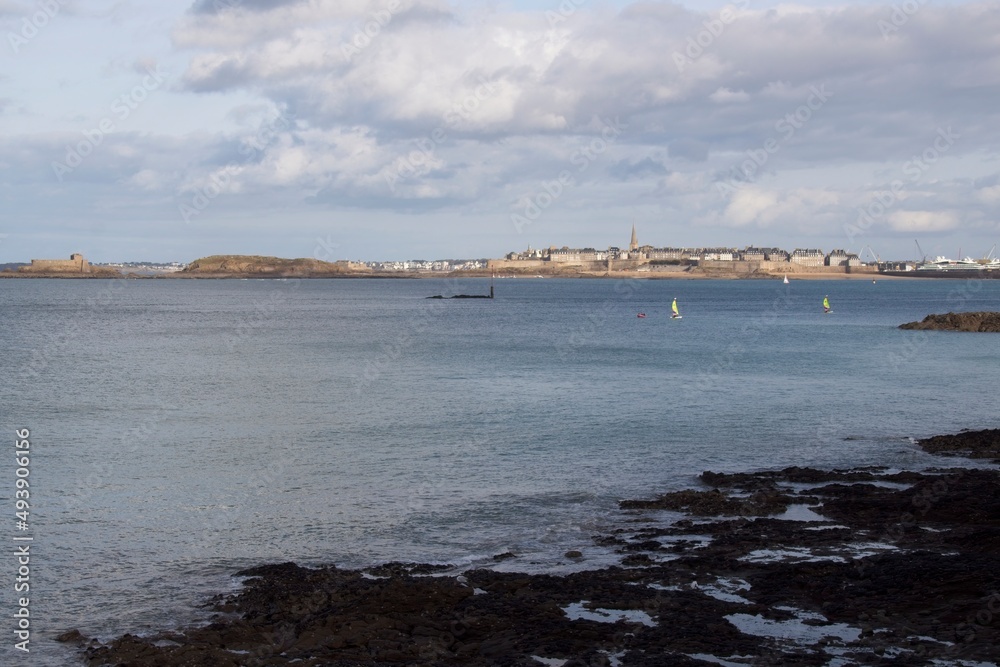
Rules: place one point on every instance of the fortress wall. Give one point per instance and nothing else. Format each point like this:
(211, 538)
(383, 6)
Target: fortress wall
(738, 268)
(76, 265)
(788, 267)
(517, 264)
(742, 268)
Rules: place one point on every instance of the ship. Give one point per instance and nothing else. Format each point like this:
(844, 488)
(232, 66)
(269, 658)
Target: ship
(943, 267)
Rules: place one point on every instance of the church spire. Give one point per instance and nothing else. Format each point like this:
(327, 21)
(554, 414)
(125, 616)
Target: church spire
(634, 244)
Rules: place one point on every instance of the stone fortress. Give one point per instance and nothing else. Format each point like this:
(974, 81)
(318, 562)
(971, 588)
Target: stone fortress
(75, 264)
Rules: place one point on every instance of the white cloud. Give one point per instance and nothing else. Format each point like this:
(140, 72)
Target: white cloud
(726, 96)
(795, 209)
(923, 221)
(492, 103)
(989, 195)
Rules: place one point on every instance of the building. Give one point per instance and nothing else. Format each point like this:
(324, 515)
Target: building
(577, 255)
(719, 254)
(75, 264)
(836, 258)
(668, 253)
(808, 257)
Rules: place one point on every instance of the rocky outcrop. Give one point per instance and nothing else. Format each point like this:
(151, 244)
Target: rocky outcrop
(270, 267)
(980, 321)
(715, 503)
(971, 444)
(900, 568)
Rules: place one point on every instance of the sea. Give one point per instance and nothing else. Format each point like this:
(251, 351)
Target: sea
(181, 430)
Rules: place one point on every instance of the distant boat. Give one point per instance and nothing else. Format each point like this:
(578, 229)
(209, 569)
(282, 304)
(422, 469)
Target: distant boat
(641, 315)
(676, 313)
(826, 305)
(786, 280)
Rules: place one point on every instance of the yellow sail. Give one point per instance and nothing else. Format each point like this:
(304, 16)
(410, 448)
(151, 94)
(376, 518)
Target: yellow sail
(673, 307)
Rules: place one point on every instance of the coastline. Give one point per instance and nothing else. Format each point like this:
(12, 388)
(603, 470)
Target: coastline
(792, 566)
(419, 275)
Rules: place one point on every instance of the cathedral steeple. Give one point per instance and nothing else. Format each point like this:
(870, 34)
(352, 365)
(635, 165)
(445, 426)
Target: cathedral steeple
(634, 244)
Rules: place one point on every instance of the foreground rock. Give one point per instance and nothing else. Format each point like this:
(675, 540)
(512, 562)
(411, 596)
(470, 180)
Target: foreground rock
(981, 322)
(864, 568)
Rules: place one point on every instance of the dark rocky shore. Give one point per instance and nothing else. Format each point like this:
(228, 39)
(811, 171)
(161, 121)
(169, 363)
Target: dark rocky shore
(904, 570)
(987, 322)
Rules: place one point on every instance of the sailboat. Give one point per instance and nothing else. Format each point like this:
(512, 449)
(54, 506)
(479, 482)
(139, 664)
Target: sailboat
(786, 280)
(826, 305)
(677, 314)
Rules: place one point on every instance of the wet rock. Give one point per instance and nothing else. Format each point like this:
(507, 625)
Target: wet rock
(73, 636)
(979, 322)
(971, 444)
(715, 503)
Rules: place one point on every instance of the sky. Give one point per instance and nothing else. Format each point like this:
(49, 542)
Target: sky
(399, 129)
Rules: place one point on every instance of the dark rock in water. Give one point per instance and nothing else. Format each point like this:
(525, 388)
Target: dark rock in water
(981, 322)
(573, 554)
(397, 569)
(766, 479)
(973, 444)
(71, 636)
(461, 296)
(504, 556)
(280, 569)
(715, 503)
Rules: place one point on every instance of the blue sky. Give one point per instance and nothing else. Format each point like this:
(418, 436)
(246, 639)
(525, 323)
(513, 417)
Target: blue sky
(137, 130)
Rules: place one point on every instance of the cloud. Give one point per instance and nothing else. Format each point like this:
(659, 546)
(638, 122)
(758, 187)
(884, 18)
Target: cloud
(726, 96)
(989, 195)
(417, 106)
(220, 6)
(626, 169)
(804, 210)
(923, 221)
(689, 149)
(404, 75)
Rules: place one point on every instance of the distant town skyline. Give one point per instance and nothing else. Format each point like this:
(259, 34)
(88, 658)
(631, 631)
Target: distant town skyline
(633, 246)
(380, 130)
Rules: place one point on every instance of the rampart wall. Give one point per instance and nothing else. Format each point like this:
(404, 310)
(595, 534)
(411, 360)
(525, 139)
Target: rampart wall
(76, 264)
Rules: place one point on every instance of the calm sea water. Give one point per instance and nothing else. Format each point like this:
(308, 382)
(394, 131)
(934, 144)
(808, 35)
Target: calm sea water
(183, 429)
